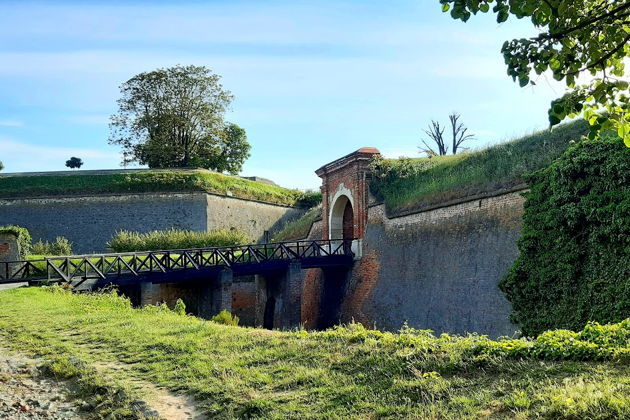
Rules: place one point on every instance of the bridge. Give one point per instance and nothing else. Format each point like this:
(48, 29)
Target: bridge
(202, 277)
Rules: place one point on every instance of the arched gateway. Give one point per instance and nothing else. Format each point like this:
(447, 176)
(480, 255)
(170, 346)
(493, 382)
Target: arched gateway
(344, 216)
(345, 194)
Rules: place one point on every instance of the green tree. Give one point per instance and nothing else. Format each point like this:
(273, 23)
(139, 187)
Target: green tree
(74, 162)
(589, 38)
(230, 152)
(1, 166)
(174, 117)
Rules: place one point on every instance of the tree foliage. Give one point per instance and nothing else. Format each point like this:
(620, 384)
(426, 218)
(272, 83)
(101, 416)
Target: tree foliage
(74, 163)
(174, 117)
(589, 38)
(574, 263)
(1, 166)
(436, 135)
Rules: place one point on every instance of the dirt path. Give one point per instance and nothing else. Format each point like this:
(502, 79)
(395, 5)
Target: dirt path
(27, 394)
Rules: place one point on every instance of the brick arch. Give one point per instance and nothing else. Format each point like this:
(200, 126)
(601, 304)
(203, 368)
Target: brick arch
(338, 206)
(346, 179)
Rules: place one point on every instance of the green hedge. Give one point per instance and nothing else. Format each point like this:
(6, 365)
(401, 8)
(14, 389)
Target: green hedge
(574, 263)
(125, 241)
(23, 238)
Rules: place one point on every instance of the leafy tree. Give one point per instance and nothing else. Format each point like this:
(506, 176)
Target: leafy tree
(577, 38)
(231, 151)
(1, 166)
(74, 163)
(174, 117)
(436, 134)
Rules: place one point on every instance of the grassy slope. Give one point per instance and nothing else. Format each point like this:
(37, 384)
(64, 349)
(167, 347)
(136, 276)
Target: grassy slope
(145, 181)
(299, 229)
(441, 179)
(247, 373)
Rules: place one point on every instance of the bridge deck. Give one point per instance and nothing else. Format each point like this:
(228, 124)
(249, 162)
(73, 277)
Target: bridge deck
(172, 265)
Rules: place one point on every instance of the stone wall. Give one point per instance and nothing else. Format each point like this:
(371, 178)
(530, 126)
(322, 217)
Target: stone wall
(89, 222)
(439, 269)
(436, 269)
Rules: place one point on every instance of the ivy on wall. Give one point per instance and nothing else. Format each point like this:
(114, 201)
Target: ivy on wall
(23, 237)
(574, 263)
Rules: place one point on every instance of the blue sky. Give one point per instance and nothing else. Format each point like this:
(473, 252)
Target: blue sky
(313, 80)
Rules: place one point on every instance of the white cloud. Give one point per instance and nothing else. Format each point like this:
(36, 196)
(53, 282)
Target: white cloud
(11, 123)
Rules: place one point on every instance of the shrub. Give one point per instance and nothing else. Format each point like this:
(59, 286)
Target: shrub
(61, 246)
(180, 307)
(226, 318)
(23, 238)
(125, 241)
(309, 199)
(574, 263)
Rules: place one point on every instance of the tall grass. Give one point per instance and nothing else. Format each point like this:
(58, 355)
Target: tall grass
(125, 241)
(344, 373)
(409, 184)
(152, 181)
(60, 246)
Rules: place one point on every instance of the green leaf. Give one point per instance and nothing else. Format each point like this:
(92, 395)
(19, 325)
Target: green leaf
(446, 7)
(553, 120)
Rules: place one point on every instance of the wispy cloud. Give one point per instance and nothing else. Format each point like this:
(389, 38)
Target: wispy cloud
(11, 123)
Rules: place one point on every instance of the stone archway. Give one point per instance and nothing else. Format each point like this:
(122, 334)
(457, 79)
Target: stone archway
(342, 218)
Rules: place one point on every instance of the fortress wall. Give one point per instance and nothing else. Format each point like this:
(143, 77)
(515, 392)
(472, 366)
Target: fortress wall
(253, 217)
(89, 222)
(437, 269)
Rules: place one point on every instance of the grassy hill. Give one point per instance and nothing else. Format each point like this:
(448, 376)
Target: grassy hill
(146, 181)
(414, 184)
(344, 373)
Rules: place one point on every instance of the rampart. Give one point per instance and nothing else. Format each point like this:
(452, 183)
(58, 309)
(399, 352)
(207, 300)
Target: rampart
(90, 221)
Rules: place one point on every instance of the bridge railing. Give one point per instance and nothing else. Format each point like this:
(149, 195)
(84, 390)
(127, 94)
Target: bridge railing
(102, 266)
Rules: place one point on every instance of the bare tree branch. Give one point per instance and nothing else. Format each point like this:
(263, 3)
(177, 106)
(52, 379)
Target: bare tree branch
(436, 134)
(459, 131)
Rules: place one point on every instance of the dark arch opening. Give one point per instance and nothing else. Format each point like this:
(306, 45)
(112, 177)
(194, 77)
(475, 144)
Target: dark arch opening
(270, 309)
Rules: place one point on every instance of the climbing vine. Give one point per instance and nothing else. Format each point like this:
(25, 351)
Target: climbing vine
(574, 263)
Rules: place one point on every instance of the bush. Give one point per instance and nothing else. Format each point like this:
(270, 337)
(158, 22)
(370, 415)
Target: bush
(309, 199)
(125, 241)
(226, 318)
(61, 246)
(23, 238)
(180, 307)
(574, 263)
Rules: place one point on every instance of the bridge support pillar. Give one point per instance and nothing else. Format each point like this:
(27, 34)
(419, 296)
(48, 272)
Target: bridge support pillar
(279, 298)
(204, 298)
(217, 296)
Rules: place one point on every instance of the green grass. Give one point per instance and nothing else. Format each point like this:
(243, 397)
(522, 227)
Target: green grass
(148, 181)
(347, 373)
(413, 184)
(299, 229)
(158, 240)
